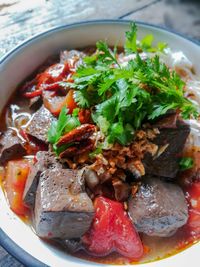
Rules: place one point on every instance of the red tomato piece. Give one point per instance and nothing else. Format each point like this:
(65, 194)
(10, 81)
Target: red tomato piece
(47, 80)
(53, 103)
(112, 230)
(194, 209)
(33, 94)
(53, 74)
(70, 102)
(15, 179)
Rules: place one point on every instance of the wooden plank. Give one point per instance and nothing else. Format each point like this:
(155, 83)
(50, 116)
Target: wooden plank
(9, 261)
(22, 19)
(183, 17)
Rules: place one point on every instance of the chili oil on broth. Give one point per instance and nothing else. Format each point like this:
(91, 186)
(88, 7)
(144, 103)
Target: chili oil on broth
(156, 248)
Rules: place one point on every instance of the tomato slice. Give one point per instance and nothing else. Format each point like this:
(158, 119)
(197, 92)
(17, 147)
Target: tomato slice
(194, 209)
(53, 103)
(112, 230)
(15, 179)
(47, 80)
(70, 102)
(53, 74)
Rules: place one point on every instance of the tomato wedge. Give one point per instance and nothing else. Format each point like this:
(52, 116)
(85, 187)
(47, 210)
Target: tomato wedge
(70, 102)
(194, 209)
(15, 179)
(53, 103)
(112, 230)
(48, 80)
(53, 74)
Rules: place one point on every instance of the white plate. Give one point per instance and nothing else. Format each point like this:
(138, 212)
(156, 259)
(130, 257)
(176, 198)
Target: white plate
(18, 64)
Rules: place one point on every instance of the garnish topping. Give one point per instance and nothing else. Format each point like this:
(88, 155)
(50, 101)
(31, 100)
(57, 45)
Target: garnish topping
(186, 163)
(124, 96)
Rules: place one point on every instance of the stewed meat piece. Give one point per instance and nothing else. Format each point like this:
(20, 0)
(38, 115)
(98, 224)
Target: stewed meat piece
(39, 124)
(62, 207)
(170, 142)
(11, 146)
(44, 160)
(159, 208)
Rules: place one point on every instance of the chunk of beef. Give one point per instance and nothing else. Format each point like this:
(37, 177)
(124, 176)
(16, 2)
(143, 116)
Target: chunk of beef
(159, 208)
(44, 161)
(170, 141)
(11, 146)
(39, 124)
(121, 189)
(62, 208)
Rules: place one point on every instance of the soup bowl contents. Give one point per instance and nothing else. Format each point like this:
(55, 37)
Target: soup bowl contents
(99, 150)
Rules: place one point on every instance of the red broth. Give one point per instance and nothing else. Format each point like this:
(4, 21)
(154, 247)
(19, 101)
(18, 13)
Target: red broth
(156, 248)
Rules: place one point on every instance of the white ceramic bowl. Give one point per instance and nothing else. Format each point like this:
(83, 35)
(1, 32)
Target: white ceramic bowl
(18, 64)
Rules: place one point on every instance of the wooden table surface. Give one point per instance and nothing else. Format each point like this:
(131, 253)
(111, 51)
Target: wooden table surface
(20, 19)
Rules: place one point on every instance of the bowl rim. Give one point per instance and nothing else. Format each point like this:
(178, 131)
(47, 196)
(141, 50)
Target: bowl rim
(8, 244)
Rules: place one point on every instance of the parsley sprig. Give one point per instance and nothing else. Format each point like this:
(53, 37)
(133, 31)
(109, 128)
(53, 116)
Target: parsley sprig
(122, 97)
(132, 45)
(186, 163)
(65, 123)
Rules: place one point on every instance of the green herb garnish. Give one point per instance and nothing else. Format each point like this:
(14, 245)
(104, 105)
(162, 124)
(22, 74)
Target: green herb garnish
(132, 45)
(64, 124)
(122, 97)
(186, 163)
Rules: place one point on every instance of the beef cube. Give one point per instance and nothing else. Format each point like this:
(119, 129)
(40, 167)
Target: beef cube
(44, 160)
(11, 146)
(170, 142)
(39, 124)
(62, 208)
(159, 208)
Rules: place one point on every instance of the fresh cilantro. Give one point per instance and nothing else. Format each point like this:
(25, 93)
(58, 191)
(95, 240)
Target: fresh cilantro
(132, 45)
(131, 39)
(146, 42)
(105, 54)
(123, 97)
(57, 127)
(186, 163)
(64, 124)
(75, 112)
(161, 46)
(94, 153)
